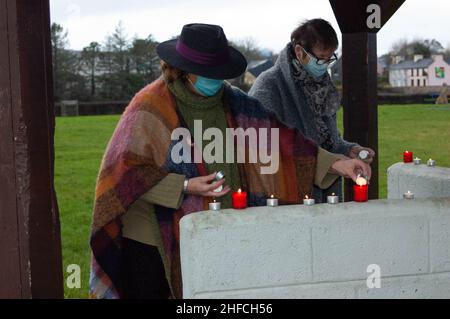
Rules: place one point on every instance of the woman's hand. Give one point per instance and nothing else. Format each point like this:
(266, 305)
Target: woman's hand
(201, 186)
(351, 168)
(354, 152)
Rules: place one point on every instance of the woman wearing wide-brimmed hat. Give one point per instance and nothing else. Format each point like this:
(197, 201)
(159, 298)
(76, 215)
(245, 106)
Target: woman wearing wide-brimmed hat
(299, 91)
(142, 192)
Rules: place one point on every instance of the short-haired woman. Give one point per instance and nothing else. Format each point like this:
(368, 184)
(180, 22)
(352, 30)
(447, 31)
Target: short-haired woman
(298, 89)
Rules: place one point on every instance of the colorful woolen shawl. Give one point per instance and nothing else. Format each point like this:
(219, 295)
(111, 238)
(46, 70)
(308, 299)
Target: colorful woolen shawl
(138, 157)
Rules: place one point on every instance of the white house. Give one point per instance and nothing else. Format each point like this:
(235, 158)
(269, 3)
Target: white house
(434, 71)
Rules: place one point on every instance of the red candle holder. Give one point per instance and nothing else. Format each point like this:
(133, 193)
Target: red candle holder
(407, 157)
(360, 193)
(239, 199)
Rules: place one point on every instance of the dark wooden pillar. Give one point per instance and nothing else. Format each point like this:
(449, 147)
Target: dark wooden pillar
(30, 245)
(359, 74)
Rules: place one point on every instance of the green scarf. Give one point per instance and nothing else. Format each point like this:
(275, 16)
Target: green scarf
(210, 110)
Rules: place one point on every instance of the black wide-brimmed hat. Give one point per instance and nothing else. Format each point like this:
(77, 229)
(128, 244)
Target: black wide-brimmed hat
(203, 49)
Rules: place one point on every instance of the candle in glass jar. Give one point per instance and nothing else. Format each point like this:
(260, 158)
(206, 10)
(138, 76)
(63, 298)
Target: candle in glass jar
(272, 201)
(431, 163)
(407, 157)
(239, 199)
(360, 193)
(417, 161)
(308, 201)
(214, 206)
(361, 190)
(333, 199)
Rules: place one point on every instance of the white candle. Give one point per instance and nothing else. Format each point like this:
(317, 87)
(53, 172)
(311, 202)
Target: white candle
(214, 206)
(431, 162)
(308, 201)
(220, 175)
(333, 199)
(417, 161)
(363, 155)
(272, 202)
(408, 195)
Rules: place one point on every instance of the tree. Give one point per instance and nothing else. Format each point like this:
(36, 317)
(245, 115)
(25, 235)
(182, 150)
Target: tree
(90, 58)
(249, 48)
(67, 81)
(115, 63)
(447, 52)
(143, 57)
(408, 49)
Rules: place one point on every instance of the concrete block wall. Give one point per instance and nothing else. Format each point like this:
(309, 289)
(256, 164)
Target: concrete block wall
(320, 251)
(423, 181)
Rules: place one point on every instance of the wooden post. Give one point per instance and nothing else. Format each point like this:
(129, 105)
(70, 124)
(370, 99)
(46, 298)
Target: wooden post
(359, 74)
(30, 245)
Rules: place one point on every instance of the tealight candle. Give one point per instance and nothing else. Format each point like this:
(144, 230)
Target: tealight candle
(333, 199)
(220, 175)
(361, 190)
(408, 195)
(407, 157)
(363, 155)
(214, 206)
(239, 199)
(308, 201)
(417, 161)
(431, 163)
(272, 202)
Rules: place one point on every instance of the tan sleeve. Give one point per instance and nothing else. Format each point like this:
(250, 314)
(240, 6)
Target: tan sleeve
(167, 193)
(325, 159)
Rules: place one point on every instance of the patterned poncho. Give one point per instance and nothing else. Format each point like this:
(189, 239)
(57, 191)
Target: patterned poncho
(138, 157)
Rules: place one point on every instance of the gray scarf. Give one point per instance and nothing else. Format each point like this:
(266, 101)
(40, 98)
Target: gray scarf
(321, 96)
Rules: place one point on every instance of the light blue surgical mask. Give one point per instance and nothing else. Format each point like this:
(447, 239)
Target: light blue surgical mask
(208, 87)
(316, 70)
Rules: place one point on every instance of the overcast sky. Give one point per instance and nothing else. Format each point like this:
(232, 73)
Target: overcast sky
(269, 22)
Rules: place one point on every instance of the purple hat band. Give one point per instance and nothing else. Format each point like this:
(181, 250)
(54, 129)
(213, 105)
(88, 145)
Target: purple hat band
(212, 59)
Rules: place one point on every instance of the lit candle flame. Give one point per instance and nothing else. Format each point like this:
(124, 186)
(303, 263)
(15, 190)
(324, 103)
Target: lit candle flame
(333, 194)
(306, 197)
(361, 181)
(240, 190)
(271, 196)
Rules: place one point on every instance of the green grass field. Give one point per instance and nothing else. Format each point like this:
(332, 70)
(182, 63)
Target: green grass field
(81, 141)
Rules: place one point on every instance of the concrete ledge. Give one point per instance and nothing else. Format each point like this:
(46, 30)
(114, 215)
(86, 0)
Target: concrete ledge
(423, 181)
(321, 251)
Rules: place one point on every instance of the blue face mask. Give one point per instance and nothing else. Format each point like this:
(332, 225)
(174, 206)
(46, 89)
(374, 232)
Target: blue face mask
(315, 69)
(208, 87)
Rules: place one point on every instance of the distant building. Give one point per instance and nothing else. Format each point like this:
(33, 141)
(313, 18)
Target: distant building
(336, 69)
(382, 65)
(255, 68)
(434, 71)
